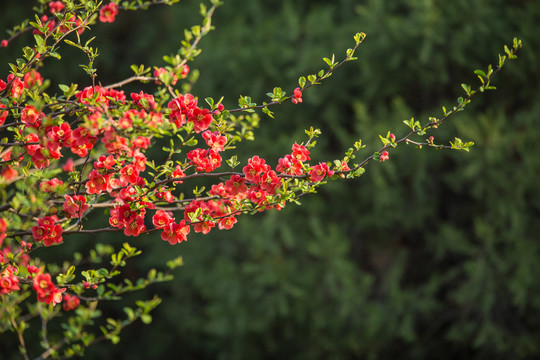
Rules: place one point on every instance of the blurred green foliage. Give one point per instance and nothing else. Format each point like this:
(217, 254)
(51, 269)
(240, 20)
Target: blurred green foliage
(431, 255)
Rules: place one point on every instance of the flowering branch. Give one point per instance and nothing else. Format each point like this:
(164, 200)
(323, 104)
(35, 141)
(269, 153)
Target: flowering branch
(47, 195)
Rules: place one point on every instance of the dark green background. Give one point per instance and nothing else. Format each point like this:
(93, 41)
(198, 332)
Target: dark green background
(431, 255)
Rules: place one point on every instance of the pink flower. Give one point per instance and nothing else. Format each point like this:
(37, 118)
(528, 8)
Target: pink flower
(384, 156)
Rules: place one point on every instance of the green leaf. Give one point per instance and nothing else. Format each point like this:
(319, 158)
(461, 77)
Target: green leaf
(480, 73)
(146, 318)
(328, 61)
(64, 88)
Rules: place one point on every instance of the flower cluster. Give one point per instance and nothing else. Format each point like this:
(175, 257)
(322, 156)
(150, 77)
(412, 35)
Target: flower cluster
(297, 96)
(47, 231)
(8, 280)
(74, 206)
(184, 109)
(45, 289)
(172, 232)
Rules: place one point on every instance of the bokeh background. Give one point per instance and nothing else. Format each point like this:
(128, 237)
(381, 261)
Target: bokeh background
(431, 255)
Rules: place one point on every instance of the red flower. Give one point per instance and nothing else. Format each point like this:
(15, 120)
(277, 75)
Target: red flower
(125, 214)
(183, 103)
(74, 206)
(32, 269)
(164, 75)
(47, 231)
(236, 185)
(384, 156)
(30, 115)
(297, 97)
(257, 195)
(165, 195)
(141, 142)
(56, 6)
(203, 227)
(319, 172)
(214, 140)
(185, 71)
(255, 167)
(96, 93)
(46, 291)
(17, 86)
(135, 227)
(201, 119)
(61, 134)
(3, 114)
(32, 78)
(227, 223)
(175, 233)
(270, 182)
(71, 302)
(105, 162)
(162, 219)
(204, 160)
(50, 24)
(181, 108)
(108, 12)
(97, 183)
(344, 167)
(9, 173)
(143, 100)
(300, 152)
(8, 281)
(82, 141)
(114, 221)
(50, 185)
(129, 175)
(178, 173)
